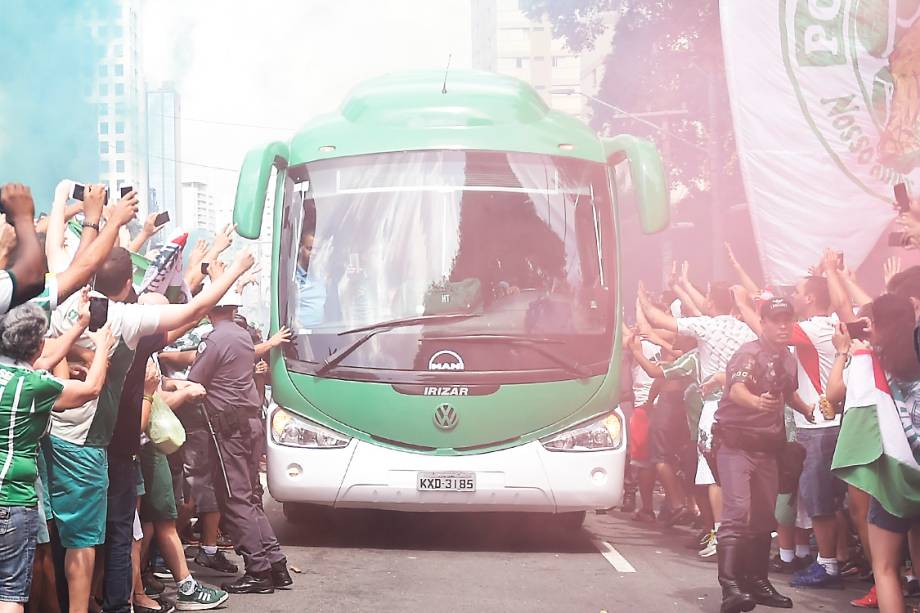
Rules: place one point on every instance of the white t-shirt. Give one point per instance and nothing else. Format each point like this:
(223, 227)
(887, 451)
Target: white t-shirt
(129, 323)
(642, 383)
(812, 340)
(6, 291)
(718, 339)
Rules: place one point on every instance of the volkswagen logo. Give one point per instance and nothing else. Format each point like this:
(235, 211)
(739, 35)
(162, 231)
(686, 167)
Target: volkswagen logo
(445, 417)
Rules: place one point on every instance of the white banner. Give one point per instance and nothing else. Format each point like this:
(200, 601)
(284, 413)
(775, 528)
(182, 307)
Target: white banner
(825, 97)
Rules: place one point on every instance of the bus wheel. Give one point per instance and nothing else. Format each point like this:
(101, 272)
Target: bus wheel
(571, 521)
(303, 513)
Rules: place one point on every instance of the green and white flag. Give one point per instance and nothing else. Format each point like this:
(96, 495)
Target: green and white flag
(825, 98)
(879, 442)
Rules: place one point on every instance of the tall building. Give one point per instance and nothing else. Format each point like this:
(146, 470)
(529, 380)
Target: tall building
(163, 174)
(200, 210)
(119, 95)
(508, 42)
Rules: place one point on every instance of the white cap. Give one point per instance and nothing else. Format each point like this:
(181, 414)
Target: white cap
(231, 298)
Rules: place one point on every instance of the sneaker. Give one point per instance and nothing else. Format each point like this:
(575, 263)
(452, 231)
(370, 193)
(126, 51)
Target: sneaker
(699, 541)
(852, 568)
(869, 601)
(191, 551)
(162, 573)
(711, 547)
(912, 588)
(224, 542)
(202, 599)
(777, 565)
(816, 576)
(218, 562)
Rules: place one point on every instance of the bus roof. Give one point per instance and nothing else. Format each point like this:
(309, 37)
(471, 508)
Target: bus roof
(411, 111)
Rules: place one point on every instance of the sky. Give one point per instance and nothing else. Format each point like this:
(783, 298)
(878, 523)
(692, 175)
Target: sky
(276, 64)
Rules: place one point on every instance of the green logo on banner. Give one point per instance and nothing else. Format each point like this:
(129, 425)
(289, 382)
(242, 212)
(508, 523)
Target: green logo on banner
(855, 68)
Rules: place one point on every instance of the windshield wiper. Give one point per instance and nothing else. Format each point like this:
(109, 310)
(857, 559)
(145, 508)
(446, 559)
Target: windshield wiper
(383, 326)
(532, 342)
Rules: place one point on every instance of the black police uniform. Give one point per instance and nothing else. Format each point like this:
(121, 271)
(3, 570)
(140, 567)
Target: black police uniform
(224, 366)
(746, 444)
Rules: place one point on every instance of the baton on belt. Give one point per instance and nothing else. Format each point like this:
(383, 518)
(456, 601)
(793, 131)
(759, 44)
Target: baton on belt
(220, 455)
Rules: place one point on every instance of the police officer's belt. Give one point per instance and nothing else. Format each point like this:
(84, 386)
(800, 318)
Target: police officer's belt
(747, 439)
(228, 423)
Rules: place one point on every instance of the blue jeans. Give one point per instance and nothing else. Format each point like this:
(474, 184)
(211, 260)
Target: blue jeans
(18, 530)
(119, 533)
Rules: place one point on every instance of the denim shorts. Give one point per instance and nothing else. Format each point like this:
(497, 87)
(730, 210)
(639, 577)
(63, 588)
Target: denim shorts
(881, 518)
(18, 528)
(820, 491)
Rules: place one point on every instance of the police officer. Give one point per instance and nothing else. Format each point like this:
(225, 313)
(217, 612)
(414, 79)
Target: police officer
(224, 366)
(748, 435)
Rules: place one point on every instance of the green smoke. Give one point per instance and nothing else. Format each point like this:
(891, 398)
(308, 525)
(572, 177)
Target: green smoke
(48, 63)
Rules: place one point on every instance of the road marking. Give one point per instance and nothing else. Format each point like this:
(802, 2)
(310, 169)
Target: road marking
(613, 556)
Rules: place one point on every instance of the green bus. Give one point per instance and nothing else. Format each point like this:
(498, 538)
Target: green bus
(446, 255)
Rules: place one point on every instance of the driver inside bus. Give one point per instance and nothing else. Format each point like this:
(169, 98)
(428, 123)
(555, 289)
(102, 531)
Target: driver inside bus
(311, 292)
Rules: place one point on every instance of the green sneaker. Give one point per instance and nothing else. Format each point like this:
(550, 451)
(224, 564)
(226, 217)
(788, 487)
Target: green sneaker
(202, 599)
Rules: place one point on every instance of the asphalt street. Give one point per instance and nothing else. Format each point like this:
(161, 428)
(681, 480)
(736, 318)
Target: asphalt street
(407, 563)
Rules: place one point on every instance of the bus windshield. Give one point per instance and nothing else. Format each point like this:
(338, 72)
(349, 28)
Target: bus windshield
(521, 242)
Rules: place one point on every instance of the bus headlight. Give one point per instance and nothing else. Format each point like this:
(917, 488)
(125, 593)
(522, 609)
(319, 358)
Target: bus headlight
(595, 435)
(295, 431)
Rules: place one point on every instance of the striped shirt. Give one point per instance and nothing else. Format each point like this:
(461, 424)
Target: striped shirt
(719, 338)
(906, 396)
(26, 399)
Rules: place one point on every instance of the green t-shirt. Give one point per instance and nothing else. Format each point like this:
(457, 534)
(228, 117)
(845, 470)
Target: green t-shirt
(26, 399)
(688, 366)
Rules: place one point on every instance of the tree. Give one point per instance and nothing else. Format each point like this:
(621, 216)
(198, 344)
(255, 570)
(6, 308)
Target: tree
(666, 55)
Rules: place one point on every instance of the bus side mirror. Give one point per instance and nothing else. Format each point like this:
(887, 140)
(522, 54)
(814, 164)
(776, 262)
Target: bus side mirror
(646, 175)
(252, 185)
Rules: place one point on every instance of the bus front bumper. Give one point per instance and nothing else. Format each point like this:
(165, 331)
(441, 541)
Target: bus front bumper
(524, 478)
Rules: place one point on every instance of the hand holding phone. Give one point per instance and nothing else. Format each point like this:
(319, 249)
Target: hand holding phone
(161, 219)
(858, 330)
(204, 268)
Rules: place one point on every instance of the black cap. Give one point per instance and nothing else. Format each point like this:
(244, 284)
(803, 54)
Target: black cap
(776, 307)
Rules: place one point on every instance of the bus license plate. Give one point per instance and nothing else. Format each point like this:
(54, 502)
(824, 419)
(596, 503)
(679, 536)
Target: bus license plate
(446, 482)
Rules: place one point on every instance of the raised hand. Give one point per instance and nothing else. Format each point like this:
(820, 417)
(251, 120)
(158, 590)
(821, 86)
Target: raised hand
(17, 202)
(891, 267)
(243, 261)
(223, 240)
(150, 225)
(94, 198)
(123, 211)
(216, 269)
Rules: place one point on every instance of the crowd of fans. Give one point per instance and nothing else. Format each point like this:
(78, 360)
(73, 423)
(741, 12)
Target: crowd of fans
(741, 403)
(93, 506)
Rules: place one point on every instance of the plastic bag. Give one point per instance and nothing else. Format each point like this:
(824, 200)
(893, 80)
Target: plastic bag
(164, 429)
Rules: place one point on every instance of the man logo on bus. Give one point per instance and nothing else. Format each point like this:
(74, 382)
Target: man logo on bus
(446, 360)
(445, 417)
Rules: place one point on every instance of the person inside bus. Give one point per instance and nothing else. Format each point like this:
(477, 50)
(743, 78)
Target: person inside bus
(311, 292)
